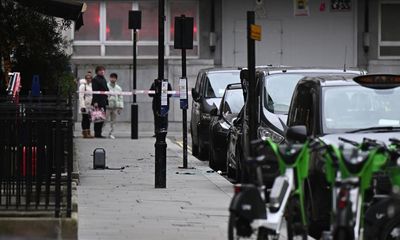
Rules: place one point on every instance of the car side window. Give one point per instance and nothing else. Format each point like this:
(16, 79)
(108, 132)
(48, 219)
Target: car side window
(198, 82)
(302, 109)
(226, 109)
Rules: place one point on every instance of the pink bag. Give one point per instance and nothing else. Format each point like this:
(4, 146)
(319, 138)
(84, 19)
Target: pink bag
(98, 115)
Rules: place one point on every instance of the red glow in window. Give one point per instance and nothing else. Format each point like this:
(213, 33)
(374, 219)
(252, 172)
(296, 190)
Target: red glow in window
(189, 9)
(91, 19)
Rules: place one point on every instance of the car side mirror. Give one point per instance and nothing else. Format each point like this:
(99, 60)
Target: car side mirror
(214, 111)
(297, 134)
(195, 95)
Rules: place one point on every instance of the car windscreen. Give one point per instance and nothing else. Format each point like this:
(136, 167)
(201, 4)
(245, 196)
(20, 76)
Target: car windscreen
(233, 102)
(346, 108)
(278, 91)
(217, 81)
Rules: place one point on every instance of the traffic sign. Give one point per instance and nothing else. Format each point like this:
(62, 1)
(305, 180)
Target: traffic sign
(255, 32)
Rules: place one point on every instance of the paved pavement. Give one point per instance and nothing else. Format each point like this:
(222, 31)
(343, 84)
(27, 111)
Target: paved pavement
(124, 204)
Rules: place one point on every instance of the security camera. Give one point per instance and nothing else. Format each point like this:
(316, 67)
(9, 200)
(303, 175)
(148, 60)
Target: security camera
(259, 2)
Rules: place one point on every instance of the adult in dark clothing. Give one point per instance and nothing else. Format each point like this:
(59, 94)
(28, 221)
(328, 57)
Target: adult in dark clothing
(99, 83)
(158, 120)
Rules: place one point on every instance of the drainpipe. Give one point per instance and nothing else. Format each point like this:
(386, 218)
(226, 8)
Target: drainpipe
(213, 37)
(366, 37)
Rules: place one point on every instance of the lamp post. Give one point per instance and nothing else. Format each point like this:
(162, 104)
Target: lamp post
(135, 22)
(161, 98)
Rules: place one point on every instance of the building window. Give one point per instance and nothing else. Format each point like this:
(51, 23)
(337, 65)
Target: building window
(117, 22)
(91, 19)
(189, 9)
(149, 31)
(389, 31)
(106, 34)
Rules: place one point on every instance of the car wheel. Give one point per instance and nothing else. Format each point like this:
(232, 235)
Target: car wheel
(231, 173)
(195, 149)
(211, 162)
(202, 152)
(392, 229)
(238, 170)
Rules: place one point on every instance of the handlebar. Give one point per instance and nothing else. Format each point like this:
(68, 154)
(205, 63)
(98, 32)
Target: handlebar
(354, 143)
(395, 141)
(366, 143)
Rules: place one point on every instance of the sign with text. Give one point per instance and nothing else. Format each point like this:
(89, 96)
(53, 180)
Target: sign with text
(183, 93)
(164, 98)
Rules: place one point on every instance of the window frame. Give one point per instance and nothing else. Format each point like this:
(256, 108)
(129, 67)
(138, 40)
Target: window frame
(385, 43)
(102, 43)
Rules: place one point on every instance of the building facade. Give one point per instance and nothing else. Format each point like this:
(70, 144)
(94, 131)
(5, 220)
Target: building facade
(327, 33)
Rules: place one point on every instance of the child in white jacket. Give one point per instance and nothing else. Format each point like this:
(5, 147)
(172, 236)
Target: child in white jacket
(85, 104)
(115, 102)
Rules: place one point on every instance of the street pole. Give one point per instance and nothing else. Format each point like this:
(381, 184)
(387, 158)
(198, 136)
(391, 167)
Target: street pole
(184, 111)
(135, 23)
(183, 39)
(134, 106)
(251, 96)
(161, 128)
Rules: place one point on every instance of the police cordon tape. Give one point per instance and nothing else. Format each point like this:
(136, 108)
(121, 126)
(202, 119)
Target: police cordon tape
(135, 92)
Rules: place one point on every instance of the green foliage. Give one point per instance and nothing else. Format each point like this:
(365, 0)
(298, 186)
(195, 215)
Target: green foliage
(36, 46)
(67, 84)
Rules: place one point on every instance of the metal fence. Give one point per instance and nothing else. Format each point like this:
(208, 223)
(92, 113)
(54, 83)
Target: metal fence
(36, 154)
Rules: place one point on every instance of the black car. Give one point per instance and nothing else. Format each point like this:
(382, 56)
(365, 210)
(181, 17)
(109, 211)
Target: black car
(275, 86)
(207, 94)
(222, 119)
(335, 106)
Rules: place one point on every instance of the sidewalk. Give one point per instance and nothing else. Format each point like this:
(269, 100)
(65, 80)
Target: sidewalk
(124, 204)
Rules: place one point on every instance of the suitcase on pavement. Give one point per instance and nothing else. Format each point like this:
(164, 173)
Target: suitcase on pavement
(99, 158)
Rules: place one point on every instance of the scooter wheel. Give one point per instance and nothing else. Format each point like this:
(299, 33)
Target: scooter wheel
(293, 220)
(239, 229)
(391, 229)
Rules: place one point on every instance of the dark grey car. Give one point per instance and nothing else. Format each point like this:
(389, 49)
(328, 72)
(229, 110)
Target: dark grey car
(275, 86)
(207, 94)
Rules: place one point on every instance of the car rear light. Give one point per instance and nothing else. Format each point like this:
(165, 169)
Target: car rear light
(237, 188)
(343, 198)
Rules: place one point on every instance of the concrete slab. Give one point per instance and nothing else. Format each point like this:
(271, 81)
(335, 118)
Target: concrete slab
(125, 205)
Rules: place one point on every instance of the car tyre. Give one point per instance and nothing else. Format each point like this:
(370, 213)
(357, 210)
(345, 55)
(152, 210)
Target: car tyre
(202, 151)
(211, 160)
(195, 149)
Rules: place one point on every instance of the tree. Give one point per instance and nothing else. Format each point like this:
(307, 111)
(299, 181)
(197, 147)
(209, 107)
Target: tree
(33, 44)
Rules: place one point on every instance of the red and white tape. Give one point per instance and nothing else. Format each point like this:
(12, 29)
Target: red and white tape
(134, 92)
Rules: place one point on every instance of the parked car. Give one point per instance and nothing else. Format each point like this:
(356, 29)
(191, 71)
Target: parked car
(331, 107)
(222, 120)
(275, 86)
(207, 94)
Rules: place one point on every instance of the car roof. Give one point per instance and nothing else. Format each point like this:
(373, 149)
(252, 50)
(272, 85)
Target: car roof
(220, 69)
(331, 80)
(285, 69)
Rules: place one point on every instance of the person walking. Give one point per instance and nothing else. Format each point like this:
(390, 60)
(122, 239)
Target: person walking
(85, 103)
(115, 102)
(100, 101)
(158, 120)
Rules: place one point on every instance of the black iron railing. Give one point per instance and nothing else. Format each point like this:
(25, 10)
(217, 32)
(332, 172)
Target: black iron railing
(36, 154)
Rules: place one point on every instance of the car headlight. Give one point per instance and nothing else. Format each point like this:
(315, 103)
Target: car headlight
(206, 116)
(265, 133)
